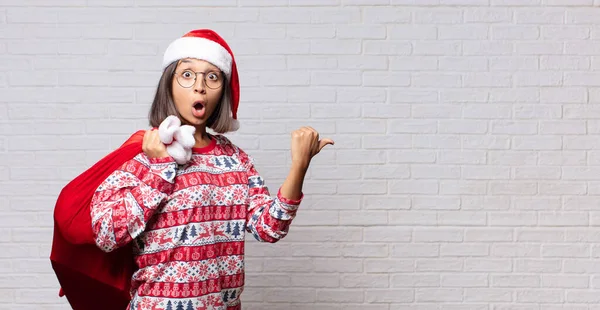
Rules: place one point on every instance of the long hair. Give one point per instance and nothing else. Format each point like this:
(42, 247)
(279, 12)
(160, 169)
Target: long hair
(220, 121)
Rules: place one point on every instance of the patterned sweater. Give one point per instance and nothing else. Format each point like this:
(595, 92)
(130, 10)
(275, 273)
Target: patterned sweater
(188, 224)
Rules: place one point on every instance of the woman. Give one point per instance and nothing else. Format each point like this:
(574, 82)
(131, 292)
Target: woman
(187, 220)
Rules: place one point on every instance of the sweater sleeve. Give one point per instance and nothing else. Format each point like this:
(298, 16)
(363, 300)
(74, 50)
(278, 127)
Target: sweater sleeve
(127, 199)
(269, 217)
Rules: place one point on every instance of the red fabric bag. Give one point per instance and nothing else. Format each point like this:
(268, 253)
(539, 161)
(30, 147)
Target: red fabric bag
(90, 278)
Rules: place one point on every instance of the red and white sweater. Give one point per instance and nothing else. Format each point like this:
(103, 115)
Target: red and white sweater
(188, 224)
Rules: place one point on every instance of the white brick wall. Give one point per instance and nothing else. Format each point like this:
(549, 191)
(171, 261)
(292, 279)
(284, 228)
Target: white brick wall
(466, 173)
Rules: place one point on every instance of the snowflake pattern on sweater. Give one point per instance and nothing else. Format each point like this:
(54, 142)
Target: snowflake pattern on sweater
(188, 225)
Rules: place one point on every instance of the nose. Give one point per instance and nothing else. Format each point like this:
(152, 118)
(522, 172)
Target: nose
(200, 86)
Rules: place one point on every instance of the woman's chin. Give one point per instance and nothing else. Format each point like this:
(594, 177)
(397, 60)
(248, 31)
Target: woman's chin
(194, 121)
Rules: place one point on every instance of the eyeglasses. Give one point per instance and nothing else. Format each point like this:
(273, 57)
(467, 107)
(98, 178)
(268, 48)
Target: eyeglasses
(187, 78)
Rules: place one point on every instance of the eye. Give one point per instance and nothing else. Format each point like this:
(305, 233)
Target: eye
(213, 76)
(188, 74)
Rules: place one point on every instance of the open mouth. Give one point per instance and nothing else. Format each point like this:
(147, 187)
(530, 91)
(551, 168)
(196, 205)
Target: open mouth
(198, 105)
(198, 109)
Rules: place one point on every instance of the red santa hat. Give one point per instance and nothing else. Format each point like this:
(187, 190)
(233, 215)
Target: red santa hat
(207, 45)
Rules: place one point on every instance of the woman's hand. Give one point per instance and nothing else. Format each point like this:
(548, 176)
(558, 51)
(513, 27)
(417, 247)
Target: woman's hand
(305, 145)
(152, 146)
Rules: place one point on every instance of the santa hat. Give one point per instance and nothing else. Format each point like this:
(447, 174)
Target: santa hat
(207, 45)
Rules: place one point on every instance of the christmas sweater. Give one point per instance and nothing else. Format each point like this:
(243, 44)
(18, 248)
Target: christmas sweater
(188, 224)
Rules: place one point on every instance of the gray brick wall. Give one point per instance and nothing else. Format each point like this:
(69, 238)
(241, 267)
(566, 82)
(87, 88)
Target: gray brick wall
(466, 173)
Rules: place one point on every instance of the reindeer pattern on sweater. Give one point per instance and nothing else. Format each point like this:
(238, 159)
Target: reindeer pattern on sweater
(188, 224)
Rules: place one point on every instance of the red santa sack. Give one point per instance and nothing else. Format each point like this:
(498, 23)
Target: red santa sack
(90, 278)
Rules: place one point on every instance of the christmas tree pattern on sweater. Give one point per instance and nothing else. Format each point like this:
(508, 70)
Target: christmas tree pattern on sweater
(188, 225)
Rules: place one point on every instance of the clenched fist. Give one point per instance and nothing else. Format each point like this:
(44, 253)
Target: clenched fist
(305, 145)
(152, 146)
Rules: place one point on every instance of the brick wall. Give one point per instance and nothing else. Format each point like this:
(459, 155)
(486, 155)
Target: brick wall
(466, 170)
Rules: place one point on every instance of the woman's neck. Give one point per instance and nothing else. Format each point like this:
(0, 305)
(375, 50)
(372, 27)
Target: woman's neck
(201, 136)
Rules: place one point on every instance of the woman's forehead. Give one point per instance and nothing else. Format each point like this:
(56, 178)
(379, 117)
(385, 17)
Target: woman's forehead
(198, 63)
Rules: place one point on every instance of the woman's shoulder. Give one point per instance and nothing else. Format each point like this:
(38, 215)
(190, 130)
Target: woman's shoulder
(226, 143)
(223, 141)
(230, 148)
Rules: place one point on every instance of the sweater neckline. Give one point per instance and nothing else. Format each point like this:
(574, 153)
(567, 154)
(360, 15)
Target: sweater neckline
(208, 148)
